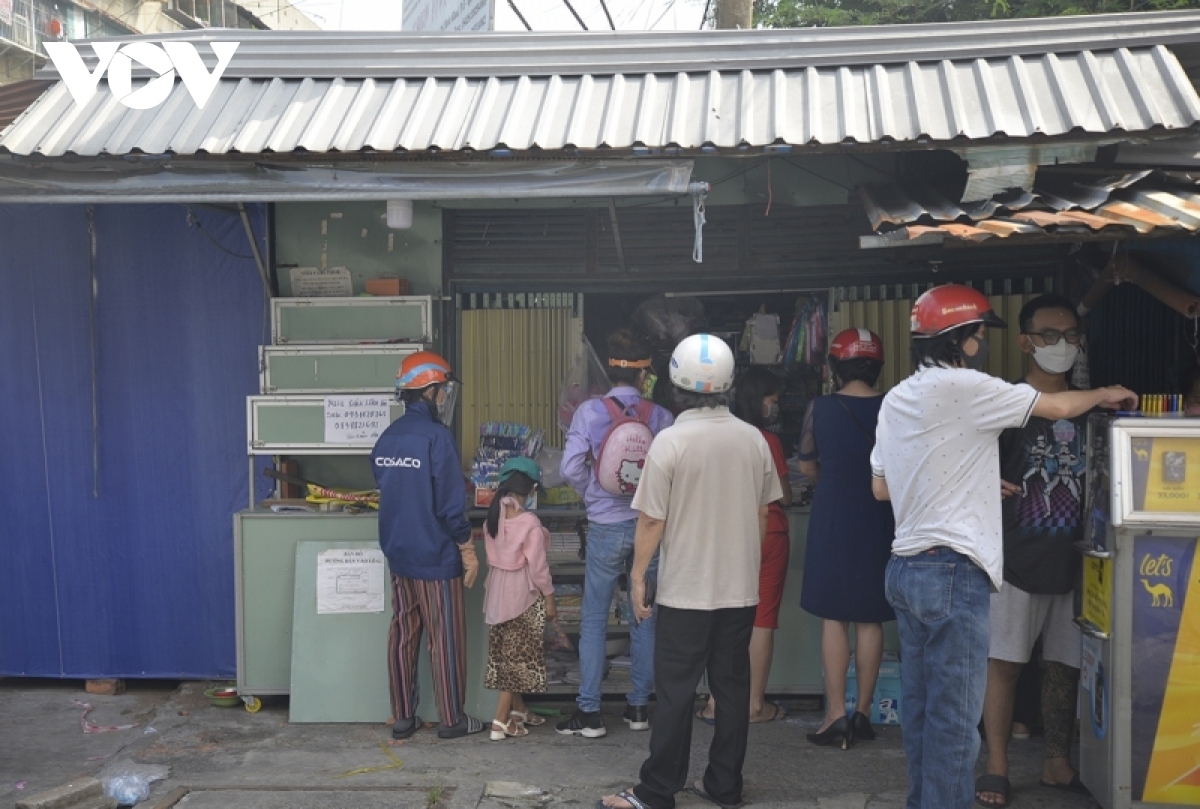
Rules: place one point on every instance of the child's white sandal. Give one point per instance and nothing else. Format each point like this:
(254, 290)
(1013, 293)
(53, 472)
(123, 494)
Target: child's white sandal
(500, 730)
(527, 717)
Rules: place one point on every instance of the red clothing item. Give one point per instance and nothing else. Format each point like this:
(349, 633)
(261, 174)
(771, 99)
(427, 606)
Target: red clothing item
(776, 517)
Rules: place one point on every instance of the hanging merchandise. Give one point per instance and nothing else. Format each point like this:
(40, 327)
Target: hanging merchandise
(807, 338)
(760, 339)
(586, 379)
(498, 442)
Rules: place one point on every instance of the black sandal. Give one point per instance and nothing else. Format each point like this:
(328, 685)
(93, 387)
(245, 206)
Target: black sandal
(996, 784)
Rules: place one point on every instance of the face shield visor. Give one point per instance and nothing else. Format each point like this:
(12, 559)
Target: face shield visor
(446, 400)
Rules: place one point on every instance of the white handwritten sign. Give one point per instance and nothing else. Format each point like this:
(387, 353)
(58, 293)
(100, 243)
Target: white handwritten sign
(350, 581)
(356, 419)
(309, 282)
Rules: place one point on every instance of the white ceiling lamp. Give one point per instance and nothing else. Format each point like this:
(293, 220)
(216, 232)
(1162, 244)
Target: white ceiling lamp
(399, 214)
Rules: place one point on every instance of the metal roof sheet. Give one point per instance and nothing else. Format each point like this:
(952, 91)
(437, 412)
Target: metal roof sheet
(1118, 206)
(1052, 94)
(392, 55)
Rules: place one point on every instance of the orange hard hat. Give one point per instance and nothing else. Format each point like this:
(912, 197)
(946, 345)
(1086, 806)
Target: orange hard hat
(422, 369)
(950, 306)
(852, 344)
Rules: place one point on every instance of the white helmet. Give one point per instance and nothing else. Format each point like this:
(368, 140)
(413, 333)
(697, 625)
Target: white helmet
(702, 363)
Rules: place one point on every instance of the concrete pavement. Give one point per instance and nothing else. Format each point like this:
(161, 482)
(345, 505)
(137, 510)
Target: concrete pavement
(226, 757)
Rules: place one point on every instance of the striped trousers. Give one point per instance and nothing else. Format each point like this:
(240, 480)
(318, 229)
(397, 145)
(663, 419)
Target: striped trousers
(435, 608)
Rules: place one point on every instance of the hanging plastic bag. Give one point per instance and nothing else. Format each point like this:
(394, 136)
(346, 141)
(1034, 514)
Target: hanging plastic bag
(549, 460)
(556, 640)
(585, 380)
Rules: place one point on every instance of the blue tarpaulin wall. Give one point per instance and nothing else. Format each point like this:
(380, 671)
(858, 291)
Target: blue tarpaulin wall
(123, 418)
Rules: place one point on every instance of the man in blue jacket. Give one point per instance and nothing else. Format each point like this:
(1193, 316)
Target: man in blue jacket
(426, 537)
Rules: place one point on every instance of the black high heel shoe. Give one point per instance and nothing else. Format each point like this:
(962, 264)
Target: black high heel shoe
(860, 727)
(840, 730)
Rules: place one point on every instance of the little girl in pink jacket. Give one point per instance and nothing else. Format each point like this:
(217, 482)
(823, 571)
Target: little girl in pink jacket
(519, 598)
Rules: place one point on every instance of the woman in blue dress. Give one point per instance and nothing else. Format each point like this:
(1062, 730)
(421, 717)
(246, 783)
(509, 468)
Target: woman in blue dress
(849, 535)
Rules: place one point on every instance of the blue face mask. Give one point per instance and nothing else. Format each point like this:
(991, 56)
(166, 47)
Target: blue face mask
(530, 501)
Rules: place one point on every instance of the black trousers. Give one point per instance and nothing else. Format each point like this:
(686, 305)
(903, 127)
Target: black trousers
(688, 643)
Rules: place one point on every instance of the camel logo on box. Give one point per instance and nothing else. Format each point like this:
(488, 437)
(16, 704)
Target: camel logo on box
(166, 60)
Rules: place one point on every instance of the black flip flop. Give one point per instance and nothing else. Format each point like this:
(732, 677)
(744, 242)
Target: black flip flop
(698, 790)
(1074, 786)
(997, 784)
(708, 720)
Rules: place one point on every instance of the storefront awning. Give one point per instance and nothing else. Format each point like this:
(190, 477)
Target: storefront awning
(229, 180)
(1061, 207)
(319, 92)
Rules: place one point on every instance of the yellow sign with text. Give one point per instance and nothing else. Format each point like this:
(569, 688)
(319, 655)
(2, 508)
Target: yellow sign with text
(1172, 474)
(1097, 593)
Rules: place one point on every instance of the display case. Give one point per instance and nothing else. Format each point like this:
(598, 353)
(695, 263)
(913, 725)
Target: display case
(1139, 610)
(400, 319)
(296, 425)
(298, 369)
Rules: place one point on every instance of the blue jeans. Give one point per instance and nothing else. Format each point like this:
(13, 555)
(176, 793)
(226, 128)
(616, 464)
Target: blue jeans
(610, 554)
(941, 599)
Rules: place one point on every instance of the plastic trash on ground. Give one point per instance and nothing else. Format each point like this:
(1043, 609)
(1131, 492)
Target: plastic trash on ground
(127, 788)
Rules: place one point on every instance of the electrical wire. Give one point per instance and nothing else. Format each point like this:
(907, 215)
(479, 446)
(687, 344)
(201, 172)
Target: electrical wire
(512, 4)
(817, 175)
(194, 221)
(666, 11)
(575, 13)
(704, 16)
(604, 6)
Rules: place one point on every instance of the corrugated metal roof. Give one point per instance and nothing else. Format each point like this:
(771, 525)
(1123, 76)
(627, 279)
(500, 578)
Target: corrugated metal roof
(1115, 207)
(16, 97)
(392, 55)
(1051, 95)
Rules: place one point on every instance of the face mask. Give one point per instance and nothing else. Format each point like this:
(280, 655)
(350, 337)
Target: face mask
(1056, 359)
(530, 502)
(648, 386)
(977, 361)
(772, 416)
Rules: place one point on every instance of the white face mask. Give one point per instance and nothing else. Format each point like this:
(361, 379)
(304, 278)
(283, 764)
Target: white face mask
(1056, 359)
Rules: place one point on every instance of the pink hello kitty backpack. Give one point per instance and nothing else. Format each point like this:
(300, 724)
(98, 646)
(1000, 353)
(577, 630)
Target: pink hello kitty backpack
(622, 453)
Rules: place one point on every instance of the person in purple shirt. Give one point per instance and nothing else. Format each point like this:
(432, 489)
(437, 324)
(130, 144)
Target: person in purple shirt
(611, 521)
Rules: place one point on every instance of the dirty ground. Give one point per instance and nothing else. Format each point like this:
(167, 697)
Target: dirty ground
(226, 757)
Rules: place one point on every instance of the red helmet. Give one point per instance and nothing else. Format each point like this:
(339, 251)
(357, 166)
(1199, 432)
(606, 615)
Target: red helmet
(852, 344)
(422, 369)
(946, 307)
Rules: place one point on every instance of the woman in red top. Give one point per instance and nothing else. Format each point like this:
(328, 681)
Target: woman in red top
(757, 402)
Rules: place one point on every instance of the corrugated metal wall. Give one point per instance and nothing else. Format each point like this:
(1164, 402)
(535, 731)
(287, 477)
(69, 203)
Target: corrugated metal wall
(886, 309)
(515, 352)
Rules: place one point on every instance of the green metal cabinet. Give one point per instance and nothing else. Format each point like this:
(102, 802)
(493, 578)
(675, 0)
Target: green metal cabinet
(340, 369)
(407, 319)
(265, 553)
(296, 425)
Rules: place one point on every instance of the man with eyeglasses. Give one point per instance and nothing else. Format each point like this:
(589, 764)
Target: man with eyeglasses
(1042, 477)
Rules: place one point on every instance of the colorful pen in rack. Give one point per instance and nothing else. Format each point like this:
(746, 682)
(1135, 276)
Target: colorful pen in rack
(1161, 404)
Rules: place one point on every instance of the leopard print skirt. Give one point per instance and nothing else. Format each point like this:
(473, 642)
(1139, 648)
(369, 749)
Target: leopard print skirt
(517, 652)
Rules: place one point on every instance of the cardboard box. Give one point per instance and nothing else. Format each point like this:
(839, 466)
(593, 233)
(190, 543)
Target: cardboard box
(885, 707)
(387, 286)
